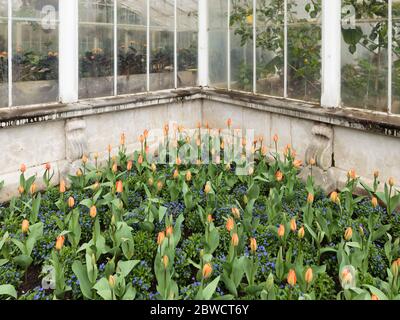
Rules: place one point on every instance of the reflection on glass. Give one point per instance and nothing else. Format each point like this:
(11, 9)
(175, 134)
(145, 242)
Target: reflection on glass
(396, 58)
(364, 55)
(270, 47)
(304, 50)
(218, 43)
(132, 44)
(241, 30)
(161, 45)
(96, 48)
(35, 51)
(187, 26)
(3, 54)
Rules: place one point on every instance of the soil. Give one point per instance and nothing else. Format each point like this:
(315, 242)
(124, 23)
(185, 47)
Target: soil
(32, 279)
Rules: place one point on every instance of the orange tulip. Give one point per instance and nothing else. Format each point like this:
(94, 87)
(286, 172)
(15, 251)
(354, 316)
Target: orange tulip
(348, 233)
(119, 186)
(253, 245)
(376, 174)
(165, 261)
(374, 297)
(160, 238)
(279, 176)
(207, 270)
(153, 167)
(308, 276)
(32, 189)
(263, 150)
(22, 168)
(210, 218)
(178, 161)
(150, 181)
(230, 224)
(297, 163)
(352, 174)
(374, 202)
(84, 159)
(312, 162)
(122, 139)
(159, 185)
(114, 167)
(79, 173)
(93, 212)
(229, 122)
(293, 225)
(109, 148)
(176, 174)
(129, 165)
(169, 231)
(391, 182)
(291, 279)
(236, 213)
(235, 240)
(62, 186)
(141, 138)
(47, 166)
(25, 226)
(281, 231)
(207, 188)
(60, 242)
(310, 198)
(71, 202)
(334, 197)
(300, 234)
(188, 176)
(275, 138)
(21, 190)
(140, 159)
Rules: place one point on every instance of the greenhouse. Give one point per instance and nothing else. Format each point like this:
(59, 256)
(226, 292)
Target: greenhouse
(199, 150)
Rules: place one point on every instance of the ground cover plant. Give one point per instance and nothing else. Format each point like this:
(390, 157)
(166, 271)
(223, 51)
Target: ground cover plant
(134, 229)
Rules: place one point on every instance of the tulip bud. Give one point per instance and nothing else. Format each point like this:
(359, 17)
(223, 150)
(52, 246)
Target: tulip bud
(96, 156)
(22, 168)
(207, 270)
(188, 176)
(60, 242)
(236, 213)
(165, 261)
(348, 233)
(270, 282)
(253, 245)
(111, 281)
(312, 162)
(119, 186)
(150, 181)
(153, 167)
(361, 230)
(93, 212)
(230, 224)
(300, 234)
(160, 238)
(122, 139)
(391, 182)
(79, 173)
(47, 166)
(169, 231)
(297, 163)
(275, 138)
(352, 174)
(178, 161)
(229, 122)
(293, 225)
(25, 226)
(374, 297)
(71, 202)
(84, 159)
(159, 185)
(235, 240)
(109, 148)
(310, 198)
(176, 174)
(210, 218)
(308, 276)
(129, 165)
(291, 278)
(62, 186)
(281, 231)
(374, 202)
(347, 278)
(376, 174)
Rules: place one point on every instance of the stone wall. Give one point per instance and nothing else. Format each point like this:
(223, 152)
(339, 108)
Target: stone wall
(340, 140)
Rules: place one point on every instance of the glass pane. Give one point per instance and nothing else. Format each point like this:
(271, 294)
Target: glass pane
(96, 48)
(35, 51)
(241, 30)
(132, 42)
(187, 30)
(396, 58)
(364, 55)
(218, 43)
(3, 54)
(161, 44)
(270, 47)
(304, 50)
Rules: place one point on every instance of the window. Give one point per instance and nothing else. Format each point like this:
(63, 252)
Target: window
(34, 51)
(365, 54)
(3, 54)
(96, 48)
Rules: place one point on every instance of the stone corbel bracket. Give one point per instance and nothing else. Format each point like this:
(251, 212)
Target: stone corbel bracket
(321, 146)
(75, 145)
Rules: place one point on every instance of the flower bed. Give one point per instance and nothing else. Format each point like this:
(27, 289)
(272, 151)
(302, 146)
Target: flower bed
(136, 230)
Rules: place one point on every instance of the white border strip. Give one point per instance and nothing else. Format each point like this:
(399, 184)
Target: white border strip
(148, 46)
(175, 44)
(254, 46)
(228, 60)
(285, 50)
